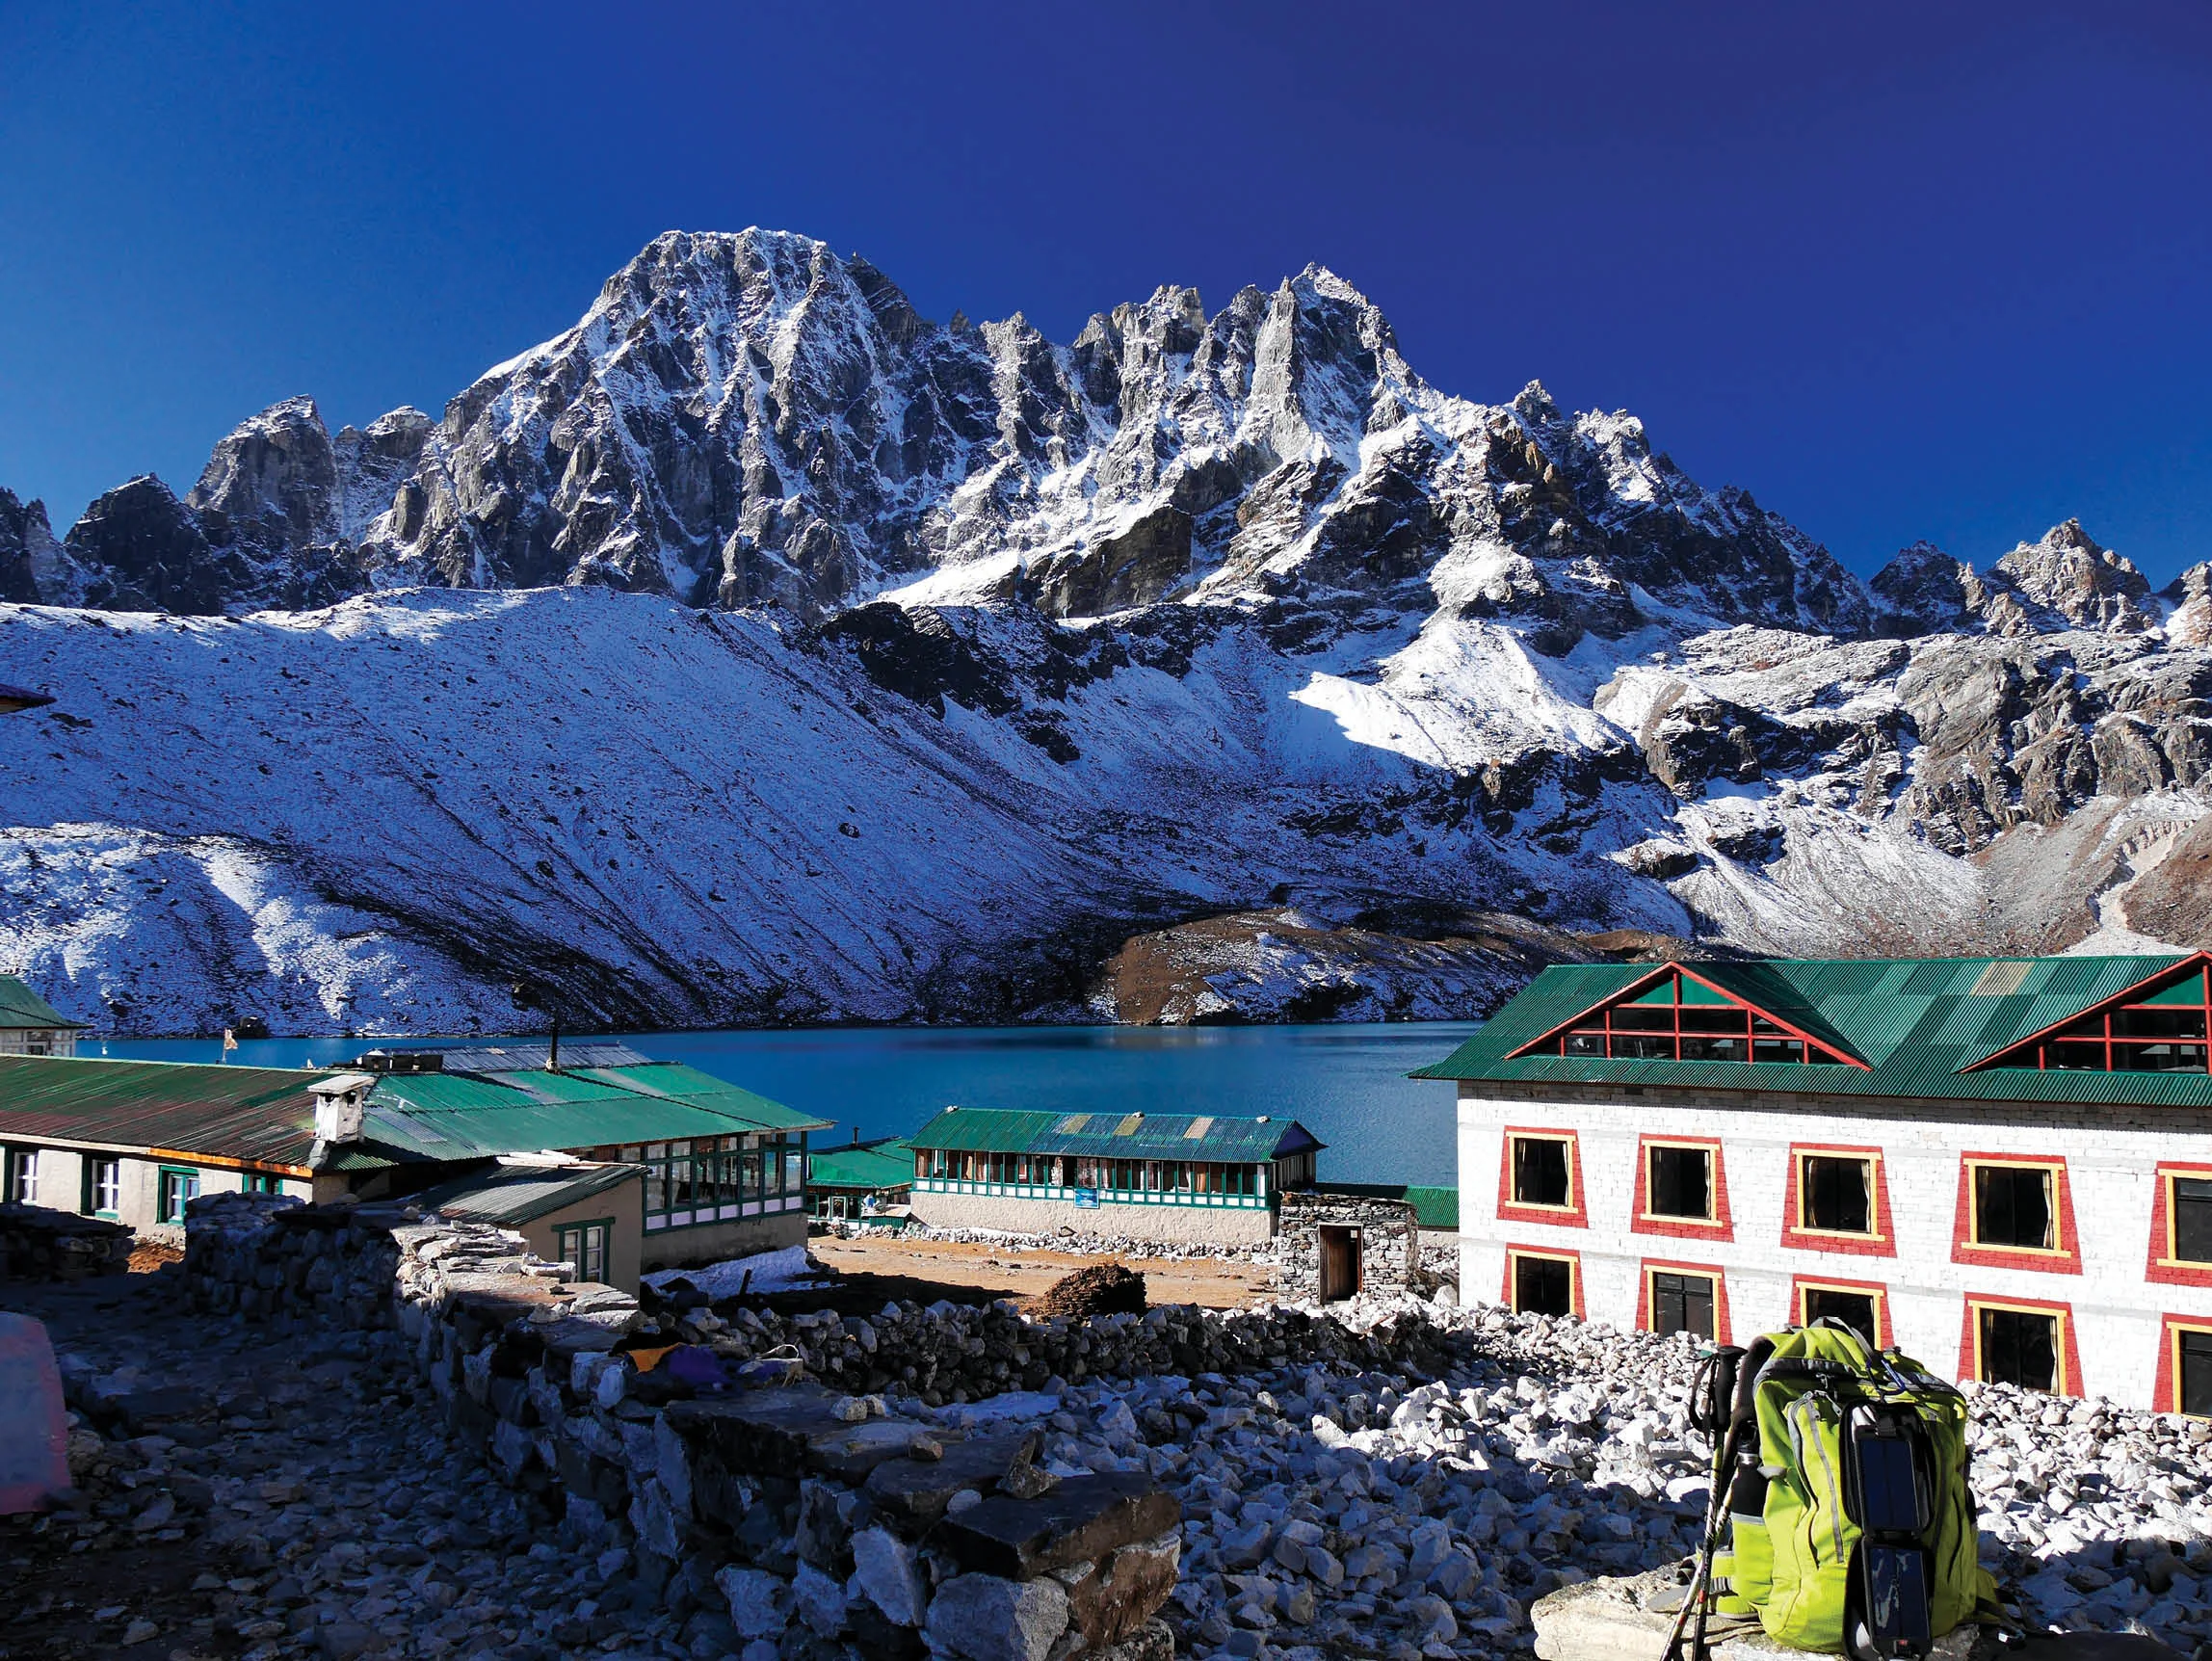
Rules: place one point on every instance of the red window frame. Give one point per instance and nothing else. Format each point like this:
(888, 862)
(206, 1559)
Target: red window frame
(1573, 1215)
(1570, 1255)
(2063, 1258)
(2161, 1265)
(2033, 1050)
(1598, 1021)
(1881, 1243)
(2068, 1381)
(1723, 1333)
(1879, 1291)
(1721, 1225)
(2166, 1388)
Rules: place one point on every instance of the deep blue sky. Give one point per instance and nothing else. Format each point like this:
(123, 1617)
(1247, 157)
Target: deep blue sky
(1902, 270)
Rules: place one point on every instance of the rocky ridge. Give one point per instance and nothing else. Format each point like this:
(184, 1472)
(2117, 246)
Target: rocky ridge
(930, 671)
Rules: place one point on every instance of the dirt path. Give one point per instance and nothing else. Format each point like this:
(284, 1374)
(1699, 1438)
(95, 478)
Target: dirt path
(1024, 1276)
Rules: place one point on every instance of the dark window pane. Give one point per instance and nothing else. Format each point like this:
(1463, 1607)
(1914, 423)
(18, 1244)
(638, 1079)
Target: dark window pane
(1539, 1170)
(1642, 1046)
(1649, 1018)
(1835, 1192)
(1711, 1020)
(1854, 1309)
(1716, 1049)
(2194, 1388)
(2011, 1207)
(2019, 1347)
(2077, 1056)
(2158, 1056)
(1544, 1286)
(2158, 1023)
(1586, 1043)
(2191, 1198)
(1682, 1304)
(1777, 1050)
(1681, 1182)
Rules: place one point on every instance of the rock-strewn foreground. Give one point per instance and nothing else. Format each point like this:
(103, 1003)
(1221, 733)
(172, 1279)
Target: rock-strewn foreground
(759, 650)
(312, 1503)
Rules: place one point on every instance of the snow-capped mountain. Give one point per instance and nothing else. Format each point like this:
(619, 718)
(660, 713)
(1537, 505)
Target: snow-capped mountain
(760, 650)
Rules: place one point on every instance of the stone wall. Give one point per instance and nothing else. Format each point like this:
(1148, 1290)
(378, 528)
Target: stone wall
(1220, 1226)
(38, 1243)
(825, 1499)
(1390, 1242)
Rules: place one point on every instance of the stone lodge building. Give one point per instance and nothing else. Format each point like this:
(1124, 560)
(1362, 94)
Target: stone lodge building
(1185, 1177)
(2003, 1166)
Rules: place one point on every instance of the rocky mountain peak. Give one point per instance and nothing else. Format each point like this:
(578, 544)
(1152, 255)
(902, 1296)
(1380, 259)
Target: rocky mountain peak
(31, 565)
(2069, 574)
(1925, 591)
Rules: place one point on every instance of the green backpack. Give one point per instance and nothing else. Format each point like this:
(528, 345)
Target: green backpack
(1840, 1483)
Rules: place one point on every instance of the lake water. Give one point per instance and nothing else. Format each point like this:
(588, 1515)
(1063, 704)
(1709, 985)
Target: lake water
(1345, 1083)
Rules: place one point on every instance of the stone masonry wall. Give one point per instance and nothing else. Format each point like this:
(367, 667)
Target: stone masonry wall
(827, 1510)
(1390, 1242)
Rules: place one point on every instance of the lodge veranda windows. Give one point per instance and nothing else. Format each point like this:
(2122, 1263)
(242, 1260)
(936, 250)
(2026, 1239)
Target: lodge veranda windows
(1192, 1179)
(711, 1179)
(1681, 1020)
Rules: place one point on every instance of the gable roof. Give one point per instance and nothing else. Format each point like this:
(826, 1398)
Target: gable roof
(21, 1007)
(267, 1114)
(884, 1164)
(523, 1192)
(1117, 1135)
(261, 1115)
(1915, 1023)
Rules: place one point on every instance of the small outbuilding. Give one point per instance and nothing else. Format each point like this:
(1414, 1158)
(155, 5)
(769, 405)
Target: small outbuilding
(578, 1212)
(862, 1181)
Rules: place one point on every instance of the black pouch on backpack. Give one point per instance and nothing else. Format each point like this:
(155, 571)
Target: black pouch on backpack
(1888, 1491)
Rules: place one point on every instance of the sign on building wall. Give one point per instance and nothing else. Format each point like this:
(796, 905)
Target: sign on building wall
(1087, 1199)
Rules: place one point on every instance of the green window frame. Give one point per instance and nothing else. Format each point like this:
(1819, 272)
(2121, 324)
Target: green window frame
(103, 1185)
(587, 1244)
(177, 1187)
(260, 1182)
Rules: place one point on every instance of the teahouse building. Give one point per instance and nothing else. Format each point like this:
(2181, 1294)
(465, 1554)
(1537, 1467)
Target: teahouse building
(29, 1025)
(718, 1171)
(1147, 1176)
(2003, 1165)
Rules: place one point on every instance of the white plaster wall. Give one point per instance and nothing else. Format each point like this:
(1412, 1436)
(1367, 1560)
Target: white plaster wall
(1197, 1225)
(2111, 1166)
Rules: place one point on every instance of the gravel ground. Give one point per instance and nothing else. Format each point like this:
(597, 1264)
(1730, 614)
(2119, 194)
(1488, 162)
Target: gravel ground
(1328, 1513)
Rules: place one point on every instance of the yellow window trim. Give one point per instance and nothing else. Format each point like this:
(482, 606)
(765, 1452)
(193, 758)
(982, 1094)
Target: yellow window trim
(2168, 1177)
(1651, 1273)
(2174, 1329)
(1516, 1254)
(1570, 1209)
(2056, 1171)
(2061, 1384)
(1712, 1148)
(1873, 1163)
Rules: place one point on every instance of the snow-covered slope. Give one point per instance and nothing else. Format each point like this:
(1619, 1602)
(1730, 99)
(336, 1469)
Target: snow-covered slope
(759, 650)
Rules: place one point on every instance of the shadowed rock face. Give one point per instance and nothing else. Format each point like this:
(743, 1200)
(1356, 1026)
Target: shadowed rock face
(142, 550)
(27, 550)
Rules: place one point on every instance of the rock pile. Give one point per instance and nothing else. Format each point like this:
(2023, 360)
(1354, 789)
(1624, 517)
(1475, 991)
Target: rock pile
(1102, 1289)
(38, 1243)
(1391, 1481)
(1083, 1245)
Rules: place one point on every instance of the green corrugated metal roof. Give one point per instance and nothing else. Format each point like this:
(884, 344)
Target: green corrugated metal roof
(672, 1078)
(259, 1113)
(1915, 1022)
(21, 1007)
(1116, 1135)
(887, 1164)
(521, 1192)
(1432, 1207)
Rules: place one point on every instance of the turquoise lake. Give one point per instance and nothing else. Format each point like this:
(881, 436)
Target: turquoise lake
(1345, 1083)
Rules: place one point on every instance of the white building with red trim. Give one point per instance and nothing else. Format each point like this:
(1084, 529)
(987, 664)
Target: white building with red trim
(2003, 1166)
